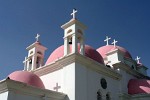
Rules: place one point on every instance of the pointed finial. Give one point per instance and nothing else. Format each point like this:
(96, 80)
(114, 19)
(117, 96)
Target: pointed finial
(37, 37)
(74, 13)
(107, 40)
(114, 43)
(138, 59)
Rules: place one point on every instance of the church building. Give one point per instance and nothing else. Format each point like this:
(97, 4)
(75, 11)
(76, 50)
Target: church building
(77, 71)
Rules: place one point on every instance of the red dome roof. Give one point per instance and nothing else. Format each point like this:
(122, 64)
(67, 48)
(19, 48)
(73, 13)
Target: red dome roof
(89, 52)
(138, 86)
(105, 49)
(27, 77)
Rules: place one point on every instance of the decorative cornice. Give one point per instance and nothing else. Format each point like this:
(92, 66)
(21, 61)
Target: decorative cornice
(15, 86)
(142, 95)
(124, 96)
(76, 57)
(128, 69)
(54, 66)
(34, 45)
(71, 22)
(128, 96)
(95, 66)
(3, 86)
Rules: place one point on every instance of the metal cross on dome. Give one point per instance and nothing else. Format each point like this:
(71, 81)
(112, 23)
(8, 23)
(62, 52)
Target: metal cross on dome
(114, 43)
(37, 37)
(138, 59)
(107, 40)
(74, 13)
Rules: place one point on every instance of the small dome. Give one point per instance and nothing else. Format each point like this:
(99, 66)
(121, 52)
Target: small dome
(105, 49)
(27, 77)
(138, 86)
(89, 52)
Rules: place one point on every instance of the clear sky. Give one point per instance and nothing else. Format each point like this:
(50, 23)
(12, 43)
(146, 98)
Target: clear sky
(127, 21)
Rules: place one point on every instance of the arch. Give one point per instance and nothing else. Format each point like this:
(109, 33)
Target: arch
(30, 61)
(99, 95)
(31, 52)
(70, 30)
(79, 31)
(39, 52)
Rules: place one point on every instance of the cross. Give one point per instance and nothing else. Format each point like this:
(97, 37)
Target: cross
(25, 63)
(37, 37)
(114, 43)
(74, 13)
(107, 40)
(57, 87)
(138, 59)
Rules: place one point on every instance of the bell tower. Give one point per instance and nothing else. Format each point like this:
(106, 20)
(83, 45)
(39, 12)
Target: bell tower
(35, 58)
(73, 34)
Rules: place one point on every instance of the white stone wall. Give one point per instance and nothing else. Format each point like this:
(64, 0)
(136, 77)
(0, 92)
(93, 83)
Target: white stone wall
(124, 81)
(4, 96)
(88, 83)
(81, 82)
(52, 78)
(94, 84)
(65, 78)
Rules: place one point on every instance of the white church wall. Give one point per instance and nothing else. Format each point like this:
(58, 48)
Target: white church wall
(94, 85)
(81, 82)
(69, 81)
(124, 80)
(50, 80)
(65, 78)
(88, 83)
(4, 96)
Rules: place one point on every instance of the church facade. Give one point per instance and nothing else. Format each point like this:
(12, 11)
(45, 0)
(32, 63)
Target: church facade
(76, 71)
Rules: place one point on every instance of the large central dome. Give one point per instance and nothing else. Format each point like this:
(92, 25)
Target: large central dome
(89, 52)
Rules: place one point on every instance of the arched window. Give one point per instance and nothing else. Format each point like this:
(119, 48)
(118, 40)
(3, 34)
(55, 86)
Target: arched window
(132, 67)
(99, 95)
(108, 96)
(31, 52)
(30, 61)
(80, 31)
(70, 30)
(39, 52)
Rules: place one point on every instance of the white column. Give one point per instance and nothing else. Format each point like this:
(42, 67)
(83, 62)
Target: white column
(28, 66)
(66, 46)
(34, 58)
(74, 44)
(25, 63)
(82, 46)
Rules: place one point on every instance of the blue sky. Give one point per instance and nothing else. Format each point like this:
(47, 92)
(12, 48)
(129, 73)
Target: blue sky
(127, 21)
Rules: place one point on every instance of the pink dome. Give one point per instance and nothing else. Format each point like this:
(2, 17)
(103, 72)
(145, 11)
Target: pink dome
(138, 86)
(89, 52)
(27, 77)
(105, 49)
